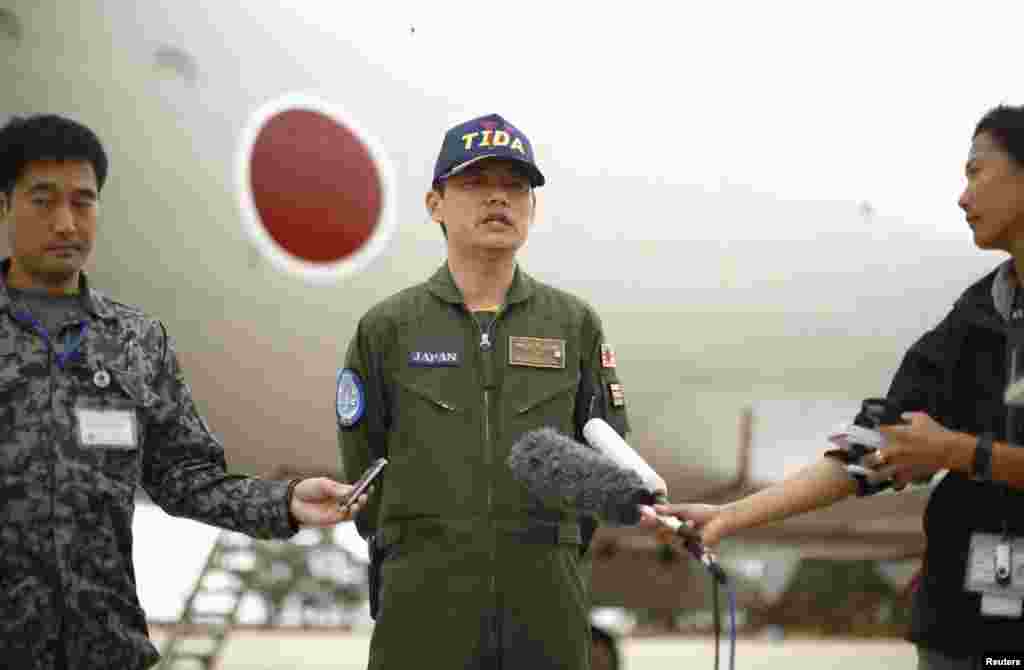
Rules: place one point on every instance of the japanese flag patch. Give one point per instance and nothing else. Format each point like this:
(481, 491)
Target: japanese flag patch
(350, 400)
(607, 356)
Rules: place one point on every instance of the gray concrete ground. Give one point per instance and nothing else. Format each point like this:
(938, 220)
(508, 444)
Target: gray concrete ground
(261, 650)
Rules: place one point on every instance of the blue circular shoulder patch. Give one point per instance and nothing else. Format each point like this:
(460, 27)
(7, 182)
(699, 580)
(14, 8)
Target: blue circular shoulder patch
(350, 401)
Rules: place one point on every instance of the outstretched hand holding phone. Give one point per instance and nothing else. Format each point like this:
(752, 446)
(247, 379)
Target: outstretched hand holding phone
(321, 502)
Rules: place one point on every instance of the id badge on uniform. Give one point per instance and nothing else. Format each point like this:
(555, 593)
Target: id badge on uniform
(107, 428)
(995, 569)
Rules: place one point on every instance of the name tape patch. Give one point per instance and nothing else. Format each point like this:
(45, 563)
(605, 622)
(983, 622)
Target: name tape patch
(536, 352)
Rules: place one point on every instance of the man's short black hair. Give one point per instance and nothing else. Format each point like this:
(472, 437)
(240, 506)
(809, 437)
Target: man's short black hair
(47, 137)
(1005, 124)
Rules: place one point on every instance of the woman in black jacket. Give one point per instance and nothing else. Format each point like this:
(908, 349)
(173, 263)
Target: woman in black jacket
(950, 389)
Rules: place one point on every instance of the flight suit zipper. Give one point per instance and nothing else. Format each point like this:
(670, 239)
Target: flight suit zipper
(486, 347)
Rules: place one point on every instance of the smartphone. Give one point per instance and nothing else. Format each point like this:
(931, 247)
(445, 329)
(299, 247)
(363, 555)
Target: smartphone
(876, 412)
(364, 481)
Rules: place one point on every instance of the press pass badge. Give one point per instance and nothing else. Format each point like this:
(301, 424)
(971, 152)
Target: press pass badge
(995, 569)
(112, 429)
(350, 400)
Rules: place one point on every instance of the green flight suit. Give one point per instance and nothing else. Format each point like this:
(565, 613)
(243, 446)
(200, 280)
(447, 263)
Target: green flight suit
(475, 572)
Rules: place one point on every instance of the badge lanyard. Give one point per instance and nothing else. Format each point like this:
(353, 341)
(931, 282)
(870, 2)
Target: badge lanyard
(72, 340)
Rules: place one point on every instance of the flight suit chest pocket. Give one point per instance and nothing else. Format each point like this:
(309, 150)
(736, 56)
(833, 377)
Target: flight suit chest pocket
(543, 398)
(541, 373)
(546, 391)
(424, 398)
(426, 421)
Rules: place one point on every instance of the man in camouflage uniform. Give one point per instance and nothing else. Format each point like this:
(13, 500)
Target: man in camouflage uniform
(443, 378)
(92, 403)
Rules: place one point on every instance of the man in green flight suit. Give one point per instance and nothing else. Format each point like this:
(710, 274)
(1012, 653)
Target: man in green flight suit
(442, 378)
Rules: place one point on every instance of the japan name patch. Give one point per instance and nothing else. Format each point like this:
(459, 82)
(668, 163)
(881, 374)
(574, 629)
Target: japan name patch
(433, 359)
(607, 356)
(350, 401)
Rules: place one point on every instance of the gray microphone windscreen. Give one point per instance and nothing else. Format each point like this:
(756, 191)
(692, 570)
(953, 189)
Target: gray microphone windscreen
(553, 466)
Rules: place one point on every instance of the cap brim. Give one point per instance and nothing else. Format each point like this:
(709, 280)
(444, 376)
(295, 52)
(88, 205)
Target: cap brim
(536, 178)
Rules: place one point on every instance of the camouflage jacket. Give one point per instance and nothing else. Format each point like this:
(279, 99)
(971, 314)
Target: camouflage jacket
(68, 479)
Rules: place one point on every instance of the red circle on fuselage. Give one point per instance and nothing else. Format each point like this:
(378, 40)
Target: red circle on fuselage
(315, 187)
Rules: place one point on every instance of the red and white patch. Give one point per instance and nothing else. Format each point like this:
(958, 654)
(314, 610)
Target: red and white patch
(607, 356)
(618, 395)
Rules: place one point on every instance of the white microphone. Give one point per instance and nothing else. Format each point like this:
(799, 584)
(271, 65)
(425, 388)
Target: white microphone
(603, 437)
(606, 440)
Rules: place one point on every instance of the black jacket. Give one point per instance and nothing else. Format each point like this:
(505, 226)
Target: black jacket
(957, 373)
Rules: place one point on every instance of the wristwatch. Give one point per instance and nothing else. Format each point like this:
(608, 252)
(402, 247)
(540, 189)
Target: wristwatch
(981, 470)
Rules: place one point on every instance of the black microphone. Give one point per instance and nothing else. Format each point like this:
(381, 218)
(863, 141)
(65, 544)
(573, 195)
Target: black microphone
(555, 467)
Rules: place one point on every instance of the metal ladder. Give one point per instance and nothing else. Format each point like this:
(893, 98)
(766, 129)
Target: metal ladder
(277, 572)
(203, 628)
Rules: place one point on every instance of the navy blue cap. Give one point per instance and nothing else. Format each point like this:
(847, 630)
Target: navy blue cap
(486, 137)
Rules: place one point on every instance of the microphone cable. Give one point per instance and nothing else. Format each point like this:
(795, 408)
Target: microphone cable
(719, 579)
(716, 615)
(716, 586)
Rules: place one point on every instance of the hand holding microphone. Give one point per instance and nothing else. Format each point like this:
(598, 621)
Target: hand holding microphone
(704, 522)
(605, 439)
